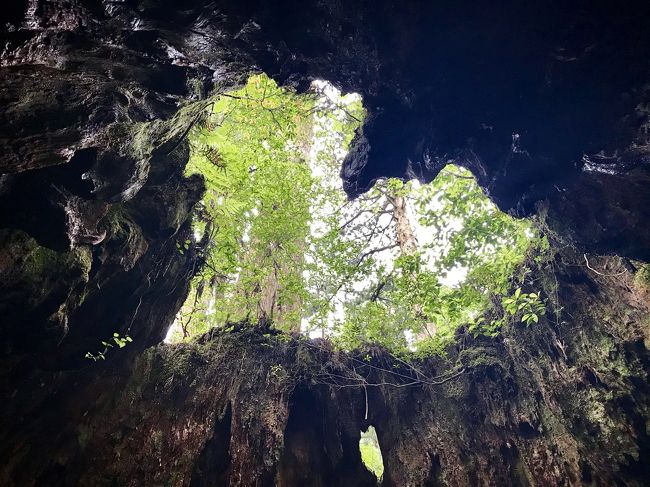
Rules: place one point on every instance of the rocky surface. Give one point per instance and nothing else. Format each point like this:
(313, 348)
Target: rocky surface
(546, 104)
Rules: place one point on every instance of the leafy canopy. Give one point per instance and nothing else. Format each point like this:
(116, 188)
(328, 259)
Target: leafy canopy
(404, 265)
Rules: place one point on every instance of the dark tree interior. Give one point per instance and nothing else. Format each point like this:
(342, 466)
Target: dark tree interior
(546, 103)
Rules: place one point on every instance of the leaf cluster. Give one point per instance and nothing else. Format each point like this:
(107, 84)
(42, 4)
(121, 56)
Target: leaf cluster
(116, 340)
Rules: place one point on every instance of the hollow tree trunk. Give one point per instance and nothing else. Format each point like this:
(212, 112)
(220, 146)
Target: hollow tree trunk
(97, 97)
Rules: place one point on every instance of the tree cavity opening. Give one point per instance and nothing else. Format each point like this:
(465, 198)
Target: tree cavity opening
(277, 242)
(371, 453)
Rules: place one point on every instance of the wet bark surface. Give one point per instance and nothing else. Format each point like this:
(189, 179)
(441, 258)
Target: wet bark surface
(547, 105)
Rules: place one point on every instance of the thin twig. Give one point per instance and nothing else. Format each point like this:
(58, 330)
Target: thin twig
(600, 273)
